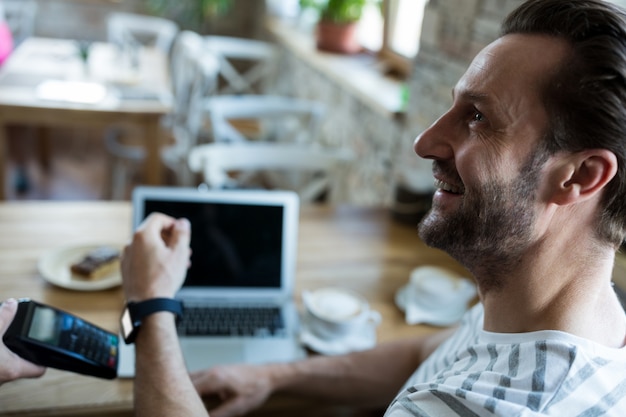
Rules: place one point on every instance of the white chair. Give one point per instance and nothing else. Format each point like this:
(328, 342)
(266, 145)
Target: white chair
(309, 170)
(128, 29)
(187, 47)
(245, 64)
(196, 72)
(266, 117)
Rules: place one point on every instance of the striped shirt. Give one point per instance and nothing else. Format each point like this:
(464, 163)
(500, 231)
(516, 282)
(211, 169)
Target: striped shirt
(551, 373)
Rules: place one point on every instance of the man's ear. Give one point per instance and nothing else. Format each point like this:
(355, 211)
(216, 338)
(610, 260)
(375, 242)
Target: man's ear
(581, 175)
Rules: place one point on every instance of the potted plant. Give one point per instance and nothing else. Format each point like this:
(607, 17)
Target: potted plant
(190, 14)
(336, 28)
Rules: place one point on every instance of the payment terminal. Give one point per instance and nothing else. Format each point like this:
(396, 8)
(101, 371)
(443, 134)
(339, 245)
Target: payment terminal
(54, 338)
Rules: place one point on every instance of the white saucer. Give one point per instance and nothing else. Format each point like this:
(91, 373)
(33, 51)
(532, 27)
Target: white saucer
(353, 342)
(54, 267)
(434, 296)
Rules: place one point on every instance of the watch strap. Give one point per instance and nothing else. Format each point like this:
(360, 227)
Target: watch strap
(139, 310)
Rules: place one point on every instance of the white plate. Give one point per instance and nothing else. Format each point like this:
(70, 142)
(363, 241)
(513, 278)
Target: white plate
(54, 267)
(354, 342)
(434, 296)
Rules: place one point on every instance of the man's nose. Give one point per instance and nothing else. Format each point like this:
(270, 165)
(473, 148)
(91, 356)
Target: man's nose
(434, 143)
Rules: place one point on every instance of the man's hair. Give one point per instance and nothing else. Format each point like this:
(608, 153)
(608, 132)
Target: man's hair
(586, 97)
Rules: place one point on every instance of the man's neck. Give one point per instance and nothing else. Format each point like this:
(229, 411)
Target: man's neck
(557, 288)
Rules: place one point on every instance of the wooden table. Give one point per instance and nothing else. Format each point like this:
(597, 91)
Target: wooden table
(358, 248)
(361, 249)
(41, 60)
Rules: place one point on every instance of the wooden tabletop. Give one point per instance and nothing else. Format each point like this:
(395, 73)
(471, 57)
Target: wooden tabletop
(358, 248)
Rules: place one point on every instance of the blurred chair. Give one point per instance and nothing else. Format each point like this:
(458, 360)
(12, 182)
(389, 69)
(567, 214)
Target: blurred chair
(129, 29)
(195, 72)
(187, 48)
(311, 171)
(265, 118)
(20, 15)
(245, 64)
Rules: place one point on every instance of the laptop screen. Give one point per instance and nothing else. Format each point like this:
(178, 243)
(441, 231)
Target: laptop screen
(233, 245)
(244, 242)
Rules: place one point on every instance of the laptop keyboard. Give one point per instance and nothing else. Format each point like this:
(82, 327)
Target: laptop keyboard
(232, 321)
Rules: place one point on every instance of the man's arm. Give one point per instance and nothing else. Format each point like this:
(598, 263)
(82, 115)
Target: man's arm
(162, 384)
(367, 379)
(153, 266)
(370, 378)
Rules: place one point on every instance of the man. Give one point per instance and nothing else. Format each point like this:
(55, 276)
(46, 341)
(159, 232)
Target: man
(530, 165)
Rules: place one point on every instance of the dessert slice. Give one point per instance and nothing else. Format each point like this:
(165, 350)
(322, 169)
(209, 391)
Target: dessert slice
(97, 264)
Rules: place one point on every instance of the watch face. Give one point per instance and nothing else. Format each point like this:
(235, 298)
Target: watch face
(127, 325)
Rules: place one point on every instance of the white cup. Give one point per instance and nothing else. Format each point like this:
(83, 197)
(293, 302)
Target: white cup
(336, 312)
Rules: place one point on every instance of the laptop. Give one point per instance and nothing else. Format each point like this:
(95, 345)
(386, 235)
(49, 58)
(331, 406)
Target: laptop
(244, 245)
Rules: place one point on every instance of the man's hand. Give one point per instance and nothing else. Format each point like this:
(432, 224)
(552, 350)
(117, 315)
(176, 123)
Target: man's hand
(155, 263)
(12, 366)
(241, 388)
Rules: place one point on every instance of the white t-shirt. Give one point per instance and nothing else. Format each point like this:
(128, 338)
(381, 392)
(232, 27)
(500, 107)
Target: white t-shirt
(479, 373)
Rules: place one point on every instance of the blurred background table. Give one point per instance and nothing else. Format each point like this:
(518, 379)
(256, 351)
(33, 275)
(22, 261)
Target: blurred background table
(46, 83)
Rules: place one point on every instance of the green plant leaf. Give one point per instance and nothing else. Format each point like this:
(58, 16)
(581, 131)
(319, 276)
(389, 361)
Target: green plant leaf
(340, 11)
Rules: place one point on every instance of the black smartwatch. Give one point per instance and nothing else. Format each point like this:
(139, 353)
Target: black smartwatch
(135, 312)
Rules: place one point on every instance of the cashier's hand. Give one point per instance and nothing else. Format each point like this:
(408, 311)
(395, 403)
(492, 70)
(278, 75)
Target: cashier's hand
(12, 366)
(154, 264)
(241, 388)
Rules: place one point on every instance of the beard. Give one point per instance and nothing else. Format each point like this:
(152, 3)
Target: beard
(493, 227)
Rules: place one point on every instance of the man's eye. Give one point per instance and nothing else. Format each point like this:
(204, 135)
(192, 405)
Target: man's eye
(478, 117)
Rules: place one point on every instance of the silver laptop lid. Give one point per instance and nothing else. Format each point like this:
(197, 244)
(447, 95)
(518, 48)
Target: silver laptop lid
(244, 242)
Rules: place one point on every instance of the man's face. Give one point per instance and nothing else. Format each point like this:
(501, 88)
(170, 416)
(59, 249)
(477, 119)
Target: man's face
(487, 154)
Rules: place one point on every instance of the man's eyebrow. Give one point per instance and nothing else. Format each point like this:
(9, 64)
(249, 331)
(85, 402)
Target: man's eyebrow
(471, 96)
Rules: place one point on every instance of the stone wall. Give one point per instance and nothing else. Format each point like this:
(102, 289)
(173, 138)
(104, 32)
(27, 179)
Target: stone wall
(349, 123)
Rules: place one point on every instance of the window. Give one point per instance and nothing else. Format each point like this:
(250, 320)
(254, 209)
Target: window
(371, 26)
(621, 3)
(394, 34)
(401, 37)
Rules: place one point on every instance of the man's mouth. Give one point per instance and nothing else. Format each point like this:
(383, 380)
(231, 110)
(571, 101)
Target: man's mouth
(449, 187)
